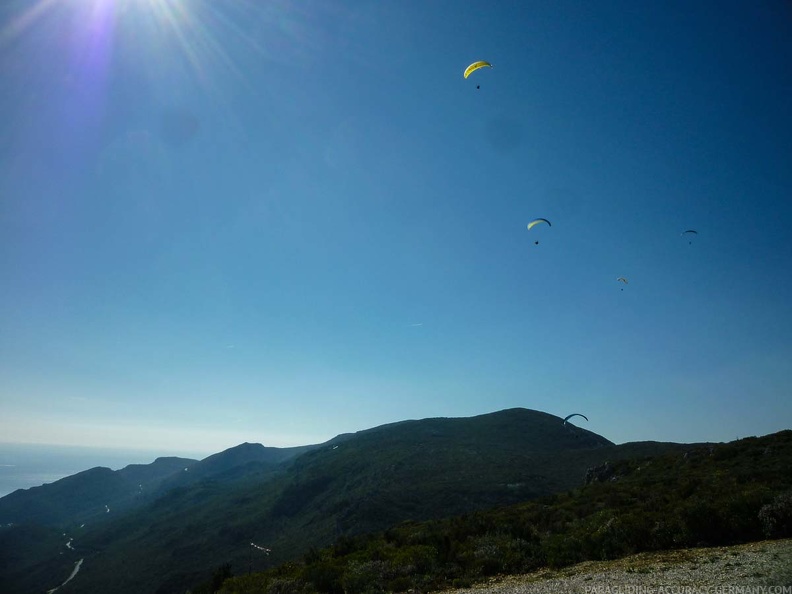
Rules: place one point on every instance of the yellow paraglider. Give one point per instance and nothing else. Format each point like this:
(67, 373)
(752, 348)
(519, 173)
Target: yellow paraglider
(536, 222)
(475, 66)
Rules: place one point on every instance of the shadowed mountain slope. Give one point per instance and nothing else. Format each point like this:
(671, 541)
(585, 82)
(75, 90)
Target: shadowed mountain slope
(86, 495)
(353, 484)
(238, 462)
(705, 495)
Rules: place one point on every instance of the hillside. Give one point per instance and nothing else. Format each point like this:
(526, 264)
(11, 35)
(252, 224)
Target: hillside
(352, 485)
(705, 496)
(241, 462)
(152, 474)
(86, 496)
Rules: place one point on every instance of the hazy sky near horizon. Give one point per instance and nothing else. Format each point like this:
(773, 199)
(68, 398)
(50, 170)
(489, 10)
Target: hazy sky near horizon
(226, 221)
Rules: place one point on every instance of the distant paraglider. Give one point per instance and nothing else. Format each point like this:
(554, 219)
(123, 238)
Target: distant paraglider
(688, 233)
(475, 66)
(574, 415)
(534, 223)
(621, 279)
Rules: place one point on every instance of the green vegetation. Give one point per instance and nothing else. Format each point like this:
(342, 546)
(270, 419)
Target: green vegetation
(23, 547)
(83, 497)
(422, 504)
(710, 495)
(354, 484)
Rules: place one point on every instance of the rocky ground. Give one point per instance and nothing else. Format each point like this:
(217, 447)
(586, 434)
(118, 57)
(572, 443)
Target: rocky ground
(755, 568)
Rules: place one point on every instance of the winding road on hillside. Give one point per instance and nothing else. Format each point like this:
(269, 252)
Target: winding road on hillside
(71, 576)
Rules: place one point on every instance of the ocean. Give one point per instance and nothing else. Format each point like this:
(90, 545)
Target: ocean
(29, 465)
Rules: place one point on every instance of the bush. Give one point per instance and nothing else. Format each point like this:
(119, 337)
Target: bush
(776, 517)
(668, 533)
(400, 584)
(287, 586)
(618, 536)
(415, 559)
(704, 522)
(561, 550)
(325, 577)
(364, 577)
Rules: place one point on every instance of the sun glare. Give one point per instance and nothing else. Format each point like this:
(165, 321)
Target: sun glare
(172, 36)
(25, 20)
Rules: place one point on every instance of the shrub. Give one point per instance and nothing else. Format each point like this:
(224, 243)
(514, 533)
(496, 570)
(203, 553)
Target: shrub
(400, 584)
(287, 586)
(562, 550)
(415, 559)
(325, 576)
(776, 517)
(364, 577)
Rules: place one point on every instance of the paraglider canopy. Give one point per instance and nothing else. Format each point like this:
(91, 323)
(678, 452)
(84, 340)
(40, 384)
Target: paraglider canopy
(688, 233)
(574, 415)
(535, 222)
(475, 66)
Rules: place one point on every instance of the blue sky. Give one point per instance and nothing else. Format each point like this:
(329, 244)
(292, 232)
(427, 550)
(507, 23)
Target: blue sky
(277, 222)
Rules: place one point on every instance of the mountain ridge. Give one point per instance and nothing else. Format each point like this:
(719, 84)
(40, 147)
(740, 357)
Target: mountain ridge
(352, 484)
(100, 487)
